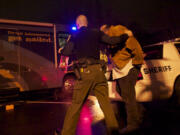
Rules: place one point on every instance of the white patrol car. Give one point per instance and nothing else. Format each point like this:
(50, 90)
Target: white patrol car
(160, 73)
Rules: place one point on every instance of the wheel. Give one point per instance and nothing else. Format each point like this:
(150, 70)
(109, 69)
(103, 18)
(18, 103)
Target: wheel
(176, 93)
(68, 86)
(68, 83)
(65, 94)
(177, 90)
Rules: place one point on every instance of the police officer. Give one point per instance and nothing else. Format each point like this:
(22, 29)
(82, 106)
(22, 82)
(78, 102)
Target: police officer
(85, 47)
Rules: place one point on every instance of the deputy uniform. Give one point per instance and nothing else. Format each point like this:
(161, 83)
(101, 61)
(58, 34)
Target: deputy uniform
(85, 48)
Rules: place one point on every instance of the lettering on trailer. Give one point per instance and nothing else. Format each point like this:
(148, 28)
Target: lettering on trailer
(157, 69)
(38, 42)
(21, 36)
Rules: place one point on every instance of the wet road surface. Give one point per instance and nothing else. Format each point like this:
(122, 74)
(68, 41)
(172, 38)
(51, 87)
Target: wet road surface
(41, 118)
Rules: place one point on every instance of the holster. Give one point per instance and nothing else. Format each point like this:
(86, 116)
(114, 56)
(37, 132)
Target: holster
(83, 63)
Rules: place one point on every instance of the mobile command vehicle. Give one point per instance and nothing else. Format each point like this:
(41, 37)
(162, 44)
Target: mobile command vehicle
(29, 58)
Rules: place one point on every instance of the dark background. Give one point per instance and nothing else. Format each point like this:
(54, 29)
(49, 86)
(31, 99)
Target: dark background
(151, 20)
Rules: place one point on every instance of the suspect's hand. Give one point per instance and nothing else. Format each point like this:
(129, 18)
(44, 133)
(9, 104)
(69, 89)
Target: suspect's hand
(60, 49)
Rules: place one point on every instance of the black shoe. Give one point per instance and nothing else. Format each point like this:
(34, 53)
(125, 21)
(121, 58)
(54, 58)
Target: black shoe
(115, 132)
(129, 129)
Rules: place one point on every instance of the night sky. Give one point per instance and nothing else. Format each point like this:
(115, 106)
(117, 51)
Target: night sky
(141, 16)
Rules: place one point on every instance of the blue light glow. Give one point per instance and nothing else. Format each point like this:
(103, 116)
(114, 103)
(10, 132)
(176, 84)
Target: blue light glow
(74, 28)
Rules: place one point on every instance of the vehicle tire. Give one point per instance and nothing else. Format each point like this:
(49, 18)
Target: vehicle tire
(68, 83)
(176, 94)
(68, 86)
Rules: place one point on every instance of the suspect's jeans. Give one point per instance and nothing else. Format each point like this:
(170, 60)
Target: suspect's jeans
(127, 92)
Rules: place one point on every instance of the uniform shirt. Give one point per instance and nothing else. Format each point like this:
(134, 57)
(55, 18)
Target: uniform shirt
(86, 43)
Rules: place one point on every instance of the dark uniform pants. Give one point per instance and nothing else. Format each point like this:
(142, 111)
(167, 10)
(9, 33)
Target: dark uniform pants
(127, 92)
(93, 79)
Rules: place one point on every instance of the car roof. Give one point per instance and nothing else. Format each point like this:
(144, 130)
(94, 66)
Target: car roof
(177, 40)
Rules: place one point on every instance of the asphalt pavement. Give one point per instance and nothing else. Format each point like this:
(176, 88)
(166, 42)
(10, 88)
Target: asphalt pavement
(43, 117)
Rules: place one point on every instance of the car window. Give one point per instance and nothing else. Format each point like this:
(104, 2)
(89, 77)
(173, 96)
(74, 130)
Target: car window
(178, 46)
(153, 52)
(62, 38)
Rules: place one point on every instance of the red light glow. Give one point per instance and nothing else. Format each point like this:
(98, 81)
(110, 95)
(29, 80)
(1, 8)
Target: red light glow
(44, 78)
(85, 121)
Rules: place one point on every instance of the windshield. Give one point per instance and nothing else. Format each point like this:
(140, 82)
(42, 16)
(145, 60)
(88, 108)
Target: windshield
(153, 52)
